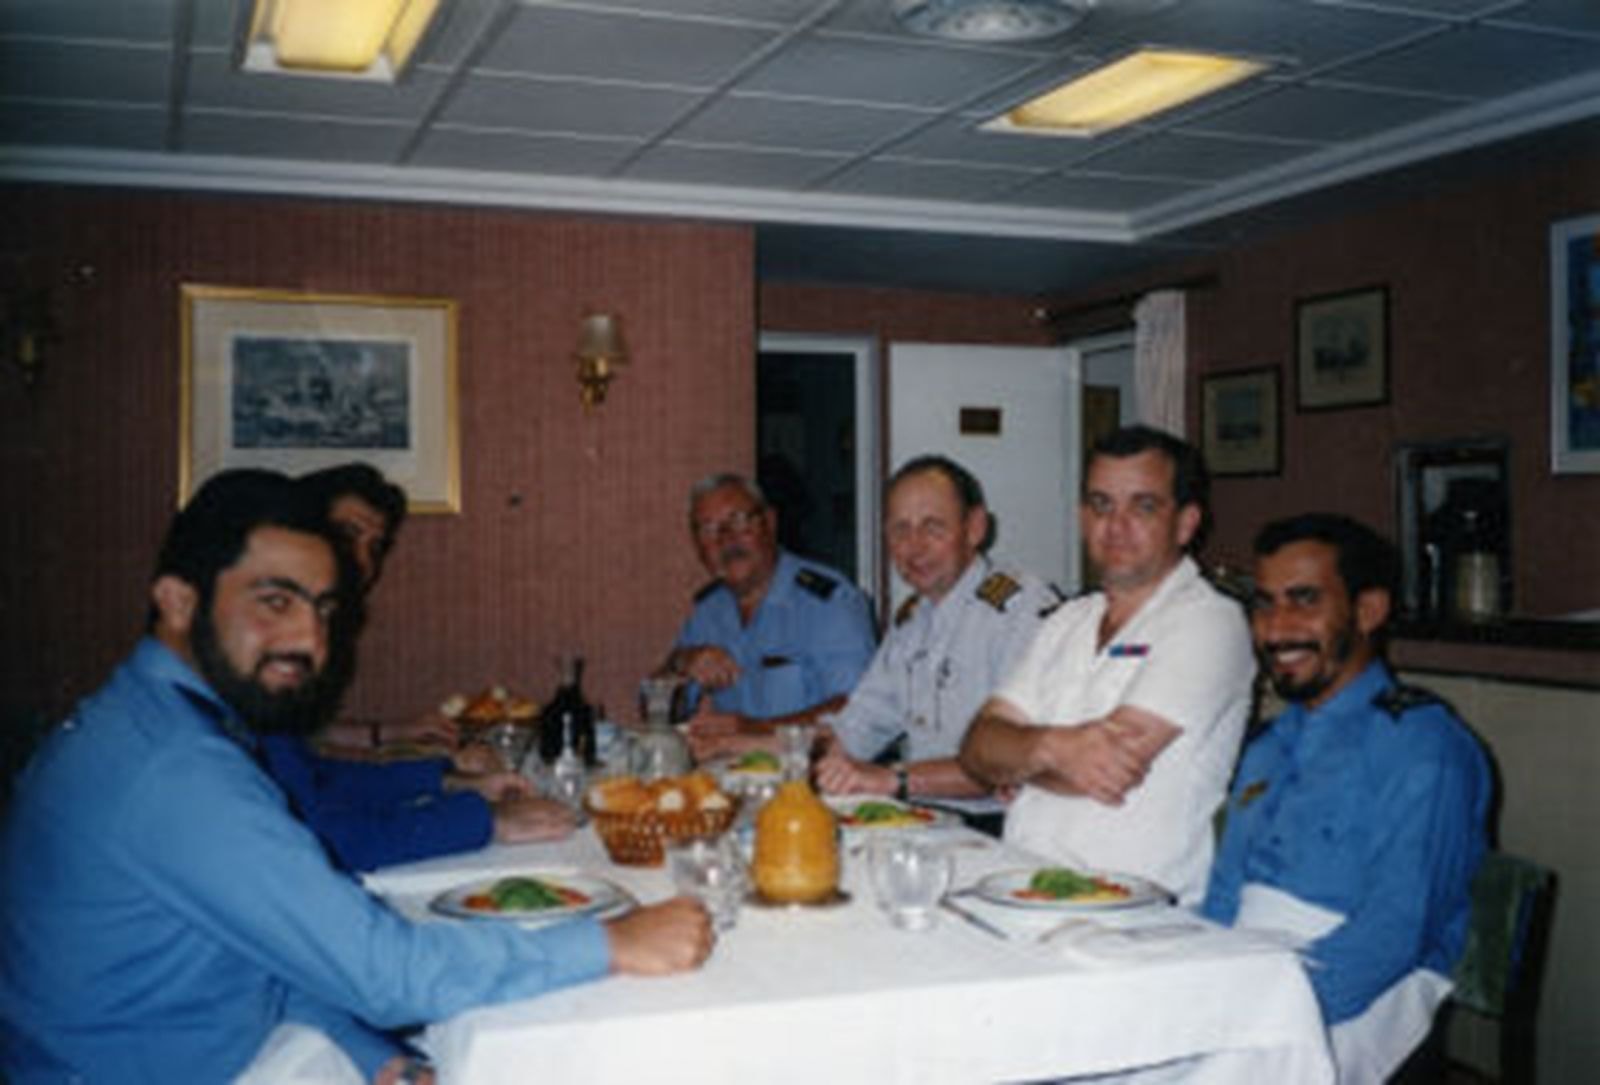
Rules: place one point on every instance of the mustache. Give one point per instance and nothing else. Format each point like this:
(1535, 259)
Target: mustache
(733, 552)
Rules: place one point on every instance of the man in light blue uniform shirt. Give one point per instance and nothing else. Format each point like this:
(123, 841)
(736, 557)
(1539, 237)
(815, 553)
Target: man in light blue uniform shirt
(773, 638)
(1357, 818)
(950, 645)
(162, 913)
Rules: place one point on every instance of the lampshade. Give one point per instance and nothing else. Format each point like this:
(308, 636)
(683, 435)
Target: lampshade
(371, 39)
(990, 20)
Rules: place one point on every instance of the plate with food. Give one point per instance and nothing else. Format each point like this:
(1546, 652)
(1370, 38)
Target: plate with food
(1062, 889)
(537, 897)
(754, 765)
(870, 813)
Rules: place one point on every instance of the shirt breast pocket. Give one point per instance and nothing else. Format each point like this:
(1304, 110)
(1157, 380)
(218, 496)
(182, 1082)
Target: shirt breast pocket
(783, 686)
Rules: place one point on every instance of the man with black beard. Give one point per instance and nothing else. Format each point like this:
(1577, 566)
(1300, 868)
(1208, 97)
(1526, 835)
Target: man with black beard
(164, 916)
(1357, 817)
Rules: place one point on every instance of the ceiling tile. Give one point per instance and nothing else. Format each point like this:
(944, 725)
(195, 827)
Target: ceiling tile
(101, 125)
(215, 83)
(1476, 62)
(1321, 114)
(775, 12)
(1578, 16)
(601, 46)
(961, 139)
(1193, 158)
(124, 21)
(514, 152)
(1098, 193)
(84, 71)
(311, 139)
(682, 164)
(803, 125)
(538, 105)
(926, 181)
(893, 73)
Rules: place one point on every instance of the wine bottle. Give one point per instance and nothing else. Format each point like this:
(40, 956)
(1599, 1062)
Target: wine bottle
(568, 717)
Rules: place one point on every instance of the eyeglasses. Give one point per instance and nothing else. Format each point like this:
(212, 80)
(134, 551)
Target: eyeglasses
(735, 523)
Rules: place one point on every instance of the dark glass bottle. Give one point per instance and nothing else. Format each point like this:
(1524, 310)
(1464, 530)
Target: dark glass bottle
(567, 717)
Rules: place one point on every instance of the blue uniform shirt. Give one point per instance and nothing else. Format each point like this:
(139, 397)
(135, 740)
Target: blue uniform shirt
(374, 815)
(161, 910)
(1372, 806)
(809, 640)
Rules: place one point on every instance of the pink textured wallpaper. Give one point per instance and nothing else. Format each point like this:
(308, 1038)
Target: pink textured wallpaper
(571, 535)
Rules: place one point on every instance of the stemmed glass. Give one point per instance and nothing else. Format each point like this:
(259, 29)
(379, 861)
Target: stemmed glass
(711, 869)
(794, 744)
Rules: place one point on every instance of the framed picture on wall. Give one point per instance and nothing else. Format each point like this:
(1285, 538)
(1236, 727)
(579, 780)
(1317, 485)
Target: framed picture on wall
(1575, 345)
(295, 382)
(1241, 427)
(1341, 349)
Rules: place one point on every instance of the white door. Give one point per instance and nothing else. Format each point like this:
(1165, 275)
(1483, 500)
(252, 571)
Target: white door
(1010, 415)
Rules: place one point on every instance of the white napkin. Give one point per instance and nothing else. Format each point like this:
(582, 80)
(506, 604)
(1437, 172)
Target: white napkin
(1159, 934)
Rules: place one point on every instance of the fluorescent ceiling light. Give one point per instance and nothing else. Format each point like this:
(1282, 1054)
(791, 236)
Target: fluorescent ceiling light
(1131, 89)
(360, 39)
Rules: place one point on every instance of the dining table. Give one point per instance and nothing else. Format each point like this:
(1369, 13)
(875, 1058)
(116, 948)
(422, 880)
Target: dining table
(835, 993)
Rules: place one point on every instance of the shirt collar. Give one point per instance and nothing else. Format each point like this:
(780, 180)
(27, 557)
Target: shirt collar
(161, 664)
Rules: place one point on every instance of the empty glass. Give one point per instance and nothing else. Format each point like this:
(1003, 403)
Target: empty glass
(910, 877)
(712, 870)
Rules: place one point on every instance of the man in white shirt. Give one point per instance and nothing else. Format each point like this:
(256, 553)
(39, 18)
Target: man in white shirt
(946, 650)
(1120, 725)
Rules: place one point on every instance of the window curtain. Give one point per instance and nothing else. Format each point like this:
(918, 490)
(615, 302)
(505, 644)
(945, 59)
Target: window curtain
(1159, 359)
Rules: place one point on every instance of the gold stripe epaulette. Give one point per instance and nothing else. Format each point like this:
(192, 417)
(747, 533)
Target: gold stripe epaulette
(997, 590)
(902, 613)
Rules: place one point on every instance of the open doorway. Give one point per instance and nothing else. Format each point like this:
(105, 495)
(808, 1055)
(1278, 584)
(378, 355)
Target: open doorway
(816, 448)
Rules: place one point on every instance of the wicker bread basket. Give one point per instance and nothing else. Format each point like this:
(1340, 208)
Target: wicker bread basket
(640, 838)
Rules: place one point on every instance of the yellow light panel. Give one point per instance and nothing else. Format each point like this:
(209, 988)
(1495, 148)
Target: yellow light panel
(341, 36)
(1138, 86)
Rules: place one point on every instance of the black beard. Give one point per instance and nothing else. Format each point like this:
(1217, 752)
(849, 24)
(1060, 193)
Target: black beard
(1290, 690)
(301, 710)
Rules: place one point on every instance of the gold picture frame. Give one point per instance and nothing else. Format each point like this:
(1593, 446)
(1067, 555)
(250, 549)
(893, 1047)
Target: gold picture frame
(1342, 350)
(296, 381)
(1241, 422)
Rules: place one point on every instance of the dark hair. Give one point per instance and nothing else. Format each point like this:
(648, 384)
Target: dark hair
(1366, 559)
(360, 480)
(211, 532)
(969, 491)
(1191, 482)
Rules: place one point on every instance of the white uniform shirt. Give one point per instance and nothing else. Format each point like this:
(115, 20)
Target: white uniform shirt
(940, 661)
(1186, 657)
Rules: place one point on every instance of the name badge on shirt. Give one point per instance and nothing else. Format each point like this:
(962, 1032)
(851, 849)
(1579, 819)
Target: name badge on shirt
(1119, 651)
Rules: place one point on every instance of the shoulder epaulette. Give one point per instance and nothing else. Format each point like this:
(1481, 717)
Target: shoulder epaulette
(997, 589)
(814, 582)
(1060, 599)
(1399, 699)
(902, 613)
(700, 595)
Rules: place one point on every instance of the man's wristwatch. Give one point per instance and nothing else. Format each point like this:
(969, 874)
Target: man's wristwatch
(902, 783)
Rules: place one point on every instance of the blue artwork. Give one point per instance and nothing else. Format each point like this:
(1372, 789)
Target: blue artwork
(1583, 343)
(318, 393)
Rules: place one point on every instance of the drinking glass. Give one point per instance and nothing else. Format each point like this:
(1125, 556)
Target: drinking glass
(794, 744)
(909, 878)
(711, 869)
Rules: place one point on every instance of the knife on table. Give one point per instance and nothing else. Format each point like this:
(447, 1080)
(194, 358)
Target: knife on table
(973, 918)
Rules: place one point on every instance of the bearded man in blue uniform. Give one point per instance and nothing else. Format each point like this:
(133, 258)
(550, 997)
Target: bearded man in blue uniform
(163, 915)
(1357, 818)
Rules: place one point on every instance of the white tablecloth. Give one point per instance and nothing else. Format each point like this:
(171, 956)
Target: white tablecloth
(837, 995)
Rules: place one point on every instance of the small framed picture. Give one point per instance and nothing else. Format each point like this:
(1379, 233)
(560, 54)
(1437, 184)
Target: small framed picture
(1241, 427)
(1575, 345)
(1342, 349)
(294, 382)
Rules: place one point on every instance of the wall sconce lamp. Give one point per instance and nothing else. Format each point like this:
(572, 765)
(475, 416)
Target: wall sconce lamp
(27, 328)
(600, 352)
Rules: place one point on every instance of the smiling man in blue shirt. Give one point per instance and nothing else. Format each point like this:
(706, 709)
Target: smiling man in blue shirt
(1357, 818)
(162, 913)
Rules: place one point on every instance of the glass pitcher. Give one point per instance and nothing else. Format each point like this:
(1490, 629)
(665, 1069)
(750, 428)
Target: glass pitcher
(658, 750)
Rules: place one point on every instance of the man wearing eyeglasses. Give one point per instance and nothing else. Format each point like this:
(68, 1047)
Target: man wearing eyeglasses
(773, 638)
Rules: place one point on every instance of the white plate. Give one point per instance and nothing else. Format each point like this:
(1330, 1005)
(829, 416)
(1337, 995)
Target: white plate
(604, 898)
(1002, 888)
(844, 805)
